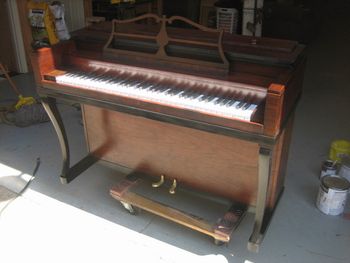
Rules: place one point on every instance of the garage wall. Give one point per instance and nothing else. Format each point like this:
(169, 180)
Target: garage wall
(74, 11)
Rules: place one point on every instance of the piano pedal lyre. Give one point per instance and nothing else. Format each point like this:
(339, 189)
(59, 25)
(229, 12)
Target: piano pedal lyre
(159, 183)
(173, 187)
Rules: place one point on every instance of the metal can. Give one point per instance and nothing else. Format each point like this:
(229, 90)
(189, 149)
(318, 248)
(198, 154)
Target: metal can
(332, 195)
(328, 168)
(344, 170)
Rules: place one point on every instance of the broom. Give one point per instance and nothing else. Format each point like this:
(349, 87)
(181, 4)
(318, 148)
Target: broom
(26, 110)
(21, 99)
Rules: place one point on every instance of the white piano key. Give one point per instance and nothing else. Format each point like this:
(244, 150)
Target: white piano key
(178, 95)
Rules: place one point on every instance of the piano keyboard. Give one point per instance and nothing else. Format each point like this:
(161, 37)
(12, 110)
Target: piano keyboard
(183, 95)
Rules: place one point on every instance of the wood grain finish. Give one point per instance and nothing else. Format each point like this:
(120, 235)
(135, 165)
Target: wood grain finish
(223, 165)
(273, 109)
(284, 51)
(201, 160)
(273, 81)
(88, 8)
(218, 164)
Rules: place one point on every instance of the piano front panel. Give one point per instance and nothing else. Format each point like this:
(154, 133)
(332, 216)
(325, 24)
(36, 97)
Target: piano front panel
(222, 165)
(198, 159)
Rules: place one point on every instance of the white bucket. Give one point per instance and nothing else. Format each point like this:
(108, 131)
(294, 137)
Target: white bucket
(332, 195)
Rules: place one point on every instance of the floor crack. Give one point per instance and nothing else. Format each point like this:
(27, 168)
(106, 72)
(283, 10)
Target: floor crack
(147, 225)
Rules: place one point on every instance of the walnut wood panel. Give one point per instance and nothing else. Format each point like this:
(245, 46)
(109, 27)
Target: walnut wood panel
(273, 109)
(45, 60)
(279, 163)
(202, 160)
(87, 8)
(218, 164)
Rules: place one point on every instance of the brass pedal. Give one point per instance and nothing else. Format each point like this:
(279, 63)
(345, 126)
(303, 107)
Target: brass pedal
(159, 183)
(173, 187)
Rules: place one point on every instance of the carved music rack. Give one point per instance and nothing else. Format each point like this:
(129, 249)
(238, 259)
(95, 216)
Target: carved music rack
(158, 53)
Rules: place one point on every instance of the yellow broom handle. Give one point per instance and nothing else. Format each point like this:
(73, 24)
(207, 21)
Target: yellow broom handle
(9, 80)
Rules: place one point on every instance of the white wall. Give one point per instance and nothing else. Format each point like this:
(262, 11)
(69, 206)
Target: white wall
(74, 14)
(15, 28)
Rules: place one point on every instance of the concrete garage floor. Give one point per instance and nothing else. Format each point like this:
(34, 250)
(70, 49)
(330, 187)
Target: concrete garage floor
(52, 222)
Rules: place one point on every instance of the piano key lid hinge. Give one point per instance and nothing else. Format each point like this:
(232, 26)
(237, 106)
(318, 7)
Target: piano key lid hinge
(162, 40)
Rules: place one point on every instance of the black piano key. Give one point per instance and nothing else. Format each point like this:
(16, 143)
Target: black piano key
(108, 79)
(217, 101)
(195, 95)
(246, 105)
(139, 85)
(221, 99)
(161, 88)
(224, 102)
(125, 81)
(204, 97)
(147, 86)
(156, 87)
(170, 90)
(176, 92)
(240, 104)
(210, 98)
(231, 103)
(212, 94)
(133, 83)
(185, 94)
(192, 94)
(98, 76)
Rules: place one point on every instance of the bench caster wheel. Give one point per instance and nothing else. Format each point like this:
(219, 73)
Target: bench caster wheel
(129, 208)
(218, 242)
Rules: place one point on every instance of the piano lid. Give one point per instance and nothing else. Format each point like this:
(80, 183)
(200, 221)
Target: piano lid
(274, 52)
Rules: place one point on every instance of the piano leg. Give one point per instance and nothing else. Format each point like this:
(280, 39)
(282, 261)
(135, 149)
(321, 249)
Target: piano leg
(68, 173)
(55, 117)
(262, 217)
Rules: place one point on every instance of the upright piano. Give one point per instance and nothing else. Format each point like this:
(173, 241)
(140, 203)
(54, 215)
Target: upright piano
(195, 107)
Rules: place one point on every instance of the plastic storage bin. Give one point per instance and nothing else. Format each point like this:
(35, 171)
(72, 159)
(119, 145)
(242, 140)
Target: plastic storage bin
(339, 150)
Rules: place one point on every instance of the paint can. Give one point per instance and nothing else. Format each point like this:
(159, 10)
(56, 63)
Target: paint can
(332, 195)
(344, 170)
(328, 168)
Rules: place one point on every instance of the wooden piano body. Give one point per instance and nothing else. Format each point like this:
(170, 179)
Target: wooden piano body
(244, 161)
